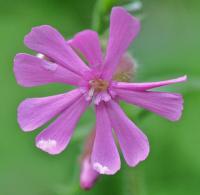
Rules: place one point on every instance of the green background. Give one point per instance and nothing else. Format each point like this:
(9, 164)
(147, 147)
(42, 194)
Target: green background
(168, 46)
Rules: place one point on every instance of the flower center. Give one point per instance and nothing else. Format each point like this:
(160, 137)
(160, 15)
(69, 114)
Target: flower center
(98, 91)
(99, 85)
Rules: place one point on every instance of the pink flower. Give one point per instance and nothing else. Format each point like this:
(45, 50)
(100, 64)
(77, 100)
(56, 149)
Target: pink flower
(93, 84)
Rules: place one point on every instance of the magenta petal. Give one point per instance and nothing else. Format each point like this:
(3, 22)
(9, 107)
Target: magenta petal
(87, 42)
(134, 144)
(55, 138)
(32, 71)
(168, 105)
(48, 41)
(123, 29)
(105, 157)
(34, 112)
(149, 85)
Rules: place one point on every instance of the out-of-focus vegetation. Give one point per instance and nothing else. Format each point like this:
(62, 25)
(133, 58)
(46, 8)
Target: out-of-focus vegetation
(168, 46)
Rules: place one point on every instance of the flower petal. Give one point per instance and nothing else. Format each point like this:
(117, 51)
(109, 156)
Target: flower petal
(48, 41)
(134, 144)
(146, 86)
(87, 42)
(105, 157)
(168, 105)
(34, 112)
(123, 29)
(32, 71)
(55, 138)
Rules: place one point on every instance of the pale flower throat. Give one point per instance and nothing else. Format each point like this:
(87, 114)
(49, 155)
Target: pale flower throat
(98, 90)
(99, 85)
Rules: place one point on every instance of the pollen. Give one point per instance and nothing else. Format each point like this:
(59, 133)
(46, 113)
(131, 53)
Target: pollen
(99, 85)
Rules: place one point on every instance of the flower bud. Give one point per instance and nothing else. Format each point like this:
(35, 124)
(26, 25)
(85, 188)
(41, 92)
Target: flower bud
(126, 69)
(88, 176)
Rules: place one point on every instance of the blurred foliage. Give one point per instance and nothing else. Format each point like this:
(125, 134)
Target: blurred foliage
(168, 46)
(101, 13)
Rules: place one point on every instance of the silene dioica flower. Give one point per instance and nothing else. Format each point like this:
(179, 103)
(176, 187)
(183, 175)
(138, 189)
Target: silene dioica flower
(59, 62)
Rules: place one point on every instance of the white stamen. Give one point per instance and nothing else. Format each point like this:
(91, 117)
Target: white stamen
(102, 96)
(98, 91)
(100, 168)
(97, 99)
(91, 92)
(46, 144)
